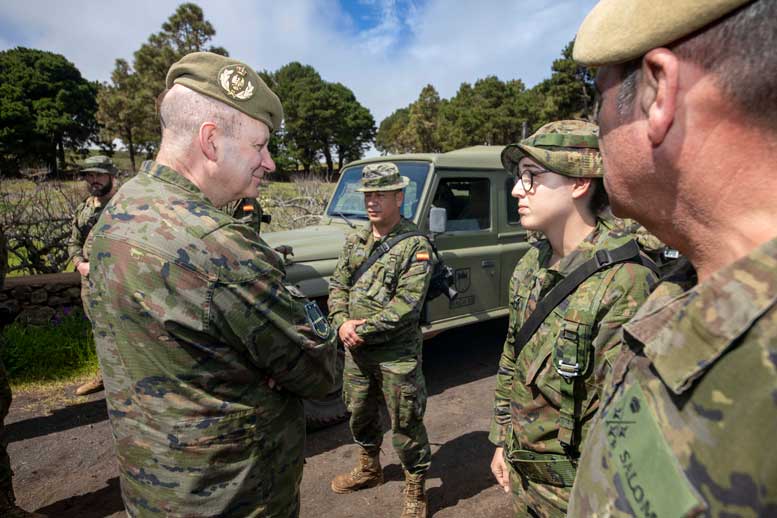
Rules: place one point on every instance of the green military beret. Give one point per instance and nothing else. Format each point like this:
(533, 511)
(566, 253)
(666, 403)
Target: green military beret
(99, 164)
(230, 81)
(616, 31)
(566, 147)
(383, 176)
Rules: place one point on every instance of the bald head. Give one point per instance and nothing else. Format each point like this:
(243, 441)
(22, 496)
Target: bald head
(182, 111)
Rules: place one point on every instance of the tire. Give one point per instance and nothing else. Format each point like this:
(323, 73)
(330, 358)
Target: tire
(328, 411)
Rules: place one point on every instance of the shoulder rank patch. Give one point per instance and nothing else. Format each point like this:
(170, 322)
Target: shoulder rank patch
(317, 320)
(422, 256)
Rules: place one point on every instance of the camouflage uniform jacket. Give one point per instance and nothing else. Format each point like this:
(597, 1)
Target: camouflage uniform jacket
(689, 412)
(86, 215)
(390, 295)
(190, 320)
(529, 393)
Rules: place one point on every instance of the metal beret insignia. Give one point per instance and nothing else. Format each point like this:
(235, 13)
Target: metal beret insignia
(235, 82)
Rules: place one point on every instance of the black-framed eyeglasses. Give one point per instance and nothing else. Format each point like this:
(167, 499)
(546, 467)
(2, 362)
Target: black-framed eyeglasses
(527, 178)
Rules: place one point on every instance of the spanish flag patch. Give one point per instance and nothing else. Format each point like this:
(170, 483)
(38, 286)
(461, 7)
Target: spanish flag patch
(422, 256)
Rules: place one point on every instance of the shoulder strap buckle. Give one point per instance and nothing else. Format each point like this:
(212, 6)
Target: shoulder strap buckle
(603, 258)
(568, 370)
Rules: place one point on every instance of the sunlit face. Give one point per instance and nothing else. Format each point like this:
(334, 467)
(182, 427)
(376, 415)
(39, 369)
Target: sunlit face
(99, 184)
(243, 160)
(383, 206)
(549, 201)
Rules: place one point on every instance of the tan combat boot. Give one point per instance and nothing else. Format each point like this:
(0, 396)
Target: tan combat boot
(367, 474)
(415, 496)
(8, 508)
(90, 387)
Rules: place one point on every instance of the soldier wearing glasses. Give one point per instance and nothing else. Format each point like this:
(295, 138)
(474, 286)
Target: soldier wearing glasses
(540, 416)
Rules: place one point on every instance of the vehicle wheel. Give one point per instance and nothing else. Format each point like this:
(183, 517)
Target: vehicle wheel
(321, 413)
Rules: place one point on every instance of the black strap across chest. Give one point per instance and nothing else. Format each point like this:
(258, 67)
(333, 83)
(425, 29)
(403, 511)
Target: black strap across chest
(630, 252)
(382, 250)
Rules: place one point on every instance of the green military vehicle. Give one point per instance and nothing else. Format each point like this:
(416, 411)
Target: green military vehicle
(481, 240)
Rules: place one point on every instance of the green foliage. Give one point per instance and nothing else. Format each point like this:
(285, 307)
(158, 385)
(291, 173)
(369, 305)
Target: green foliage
(489, 112)
(322, 119)
(62, 349)
(128, 102)
(46, 107)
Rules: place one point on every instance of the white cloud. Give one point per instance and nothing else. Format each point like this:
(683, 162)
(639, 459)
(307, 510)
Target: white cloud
(412, 44)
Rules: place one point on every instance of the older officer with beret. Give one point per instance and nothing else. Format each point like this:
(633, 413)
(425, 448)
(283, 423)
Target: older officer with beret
(689, 141)
(206, 355)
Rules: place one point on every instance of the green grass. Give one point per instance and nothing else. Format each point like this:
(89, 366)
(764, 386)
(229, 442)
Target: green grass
(62, 350)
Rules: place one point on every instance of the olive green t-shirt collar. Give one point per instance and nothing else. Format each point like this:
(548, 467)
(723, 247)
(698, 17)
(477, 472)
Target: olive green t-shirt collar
(598, 239)
(365, 235)
(685, 335)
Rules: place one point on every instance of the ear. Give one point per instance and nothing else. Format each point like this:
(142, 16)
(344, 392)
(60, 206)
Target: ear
(400, 198)
(207, 139)
(581, 187)
(658, 92)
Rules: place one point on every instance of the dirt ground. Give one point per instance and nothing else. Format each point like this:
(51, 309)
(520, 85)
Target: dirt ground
(62, 453)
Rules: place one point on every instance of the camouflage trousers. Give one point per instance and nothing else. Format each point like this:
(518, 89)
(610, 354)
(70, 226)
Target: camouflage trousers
(367, 382)
(5, 405)
(534, 499)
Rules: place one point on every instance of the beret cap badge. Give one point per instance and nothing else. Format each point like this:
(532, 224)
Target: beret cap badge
(235, 82)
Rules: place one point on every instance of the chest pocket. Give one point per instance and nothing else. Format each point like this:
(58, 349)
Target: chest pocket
(573, 359)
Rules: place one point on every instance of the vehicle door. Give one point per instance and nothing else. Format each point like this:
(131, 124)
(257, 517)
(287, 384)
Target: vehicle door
(470, 244)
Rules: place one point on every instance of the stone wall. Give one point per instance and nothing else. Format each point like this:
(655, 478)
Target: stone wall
(36, 299)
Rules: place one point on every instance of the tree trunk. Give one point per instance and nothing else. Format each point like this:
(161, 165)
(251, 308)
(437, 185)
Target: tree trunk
(131, 148)
(61, 153)
(330, 166)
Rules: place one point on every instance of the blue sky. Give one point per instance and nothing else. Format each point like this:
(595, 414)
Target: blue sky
(386, 51)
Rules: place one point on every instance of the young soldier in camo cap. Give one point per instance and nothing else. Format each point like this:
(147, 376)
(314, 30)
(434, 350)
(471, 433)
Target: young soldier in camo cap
(377, 320)
(541, 410)
(206, 354)
(688, 111)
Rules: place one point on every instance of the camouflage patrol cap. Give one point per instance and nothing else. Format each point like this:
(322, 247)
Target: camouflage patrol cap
(566, 147)
(99, 164)
(230, 81)
(383, 176)
(616, 31)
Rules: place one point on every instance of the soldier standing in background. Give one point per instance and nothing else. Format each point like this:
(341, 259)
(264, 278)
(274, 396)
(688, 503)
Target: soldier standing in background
(377, 320)
(689, 140)
(548, 378)
(99, 173)
(8, 507)
(206, 355)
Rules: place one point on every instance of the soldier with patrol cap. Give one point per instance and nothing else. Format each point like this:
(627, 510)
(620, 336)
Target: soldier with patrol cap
(100, 174)
(569, 295)
(376, 315)
(689, 140)
(206, 354)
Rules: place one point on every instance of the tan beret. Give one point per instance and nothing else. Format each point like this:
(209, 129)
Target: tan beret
(230, 81)
(616, 31)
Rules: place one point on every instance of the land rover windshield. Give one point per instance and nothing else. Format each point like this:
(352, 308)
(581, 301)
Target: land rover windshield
(348, 202)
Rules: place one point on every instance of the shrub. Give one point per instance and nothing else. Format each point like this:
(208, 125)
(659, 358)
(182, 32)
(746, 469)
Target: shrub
(63, 349)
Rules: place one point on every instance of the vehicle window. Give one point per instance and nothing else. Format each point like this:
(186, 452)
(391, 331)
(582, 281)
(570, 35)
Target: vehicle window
(512, 203)
(349, 202)
(467, 202)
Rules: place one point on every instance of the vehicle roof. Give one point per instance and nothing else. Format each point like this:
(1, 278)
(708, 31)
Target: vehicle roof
(475, 157)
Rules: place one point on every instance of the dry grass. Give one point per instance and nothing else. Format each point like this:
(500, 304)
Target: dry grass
(295, 204)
